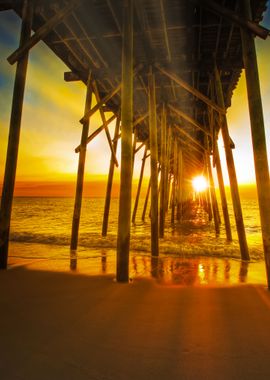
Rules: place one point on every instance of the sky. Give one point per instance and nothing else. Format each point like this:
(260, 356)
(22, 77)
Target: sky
(52, 109)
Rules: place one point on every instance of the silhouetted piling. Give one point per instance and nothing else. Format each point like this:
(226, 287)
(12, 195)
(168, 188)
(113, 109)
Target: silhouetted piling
(123, 237)
(257, 132)
(14, 136)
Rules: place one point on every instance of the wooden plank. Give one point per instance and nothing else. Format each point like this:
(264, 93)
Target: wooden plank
(235, 17)
(179, 129)
(165, 31)
(189, 119)
(190, 89)
(42, 31)
(123, 234)
(14, 137)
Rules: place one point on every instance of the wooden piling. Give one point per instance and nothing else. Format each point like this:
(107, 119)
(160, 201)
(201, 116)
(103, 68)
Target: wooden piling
(213, 194)
(222, 194)
(232, 173)
(134, 148)
(110, 180)
(179, 211)
(139, 187)
(14, 136)
(208, 193)
(257, 132)
(167, 167)
(146, 200)
(153, 163)
(163, 172)
(173, 195)
(123, 238)
(80, 173)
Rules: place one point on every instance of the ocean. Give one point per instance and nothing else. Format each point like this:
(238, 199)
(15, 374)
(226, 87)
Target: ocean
(48, 221)
(190, 253)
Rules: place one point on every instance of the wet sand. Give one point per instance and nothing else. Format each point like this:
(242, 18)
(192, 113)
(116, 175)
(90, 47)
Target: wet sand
(66, 324)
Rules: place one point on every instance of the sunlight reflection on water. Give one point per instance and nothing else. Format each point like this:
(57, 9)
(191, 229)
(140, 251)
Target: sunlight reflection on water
(167, 271)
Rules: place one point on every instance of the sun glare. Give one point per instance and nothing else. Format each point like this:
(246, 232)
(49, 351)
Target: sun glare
(199, 184)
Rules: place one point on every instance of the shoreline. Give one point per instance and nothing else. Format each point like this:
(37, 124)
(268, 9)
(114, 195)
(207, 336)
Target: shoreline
(167, 270)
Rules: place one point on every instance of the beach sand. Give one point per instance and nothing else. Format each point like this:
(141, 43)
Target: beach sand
(61, 324)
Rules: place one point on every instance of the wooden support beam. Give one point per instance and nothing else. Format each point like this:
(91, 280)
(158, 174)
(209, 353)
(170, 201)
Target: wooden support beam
(167, 174)
(86, 52)
(70, 76)
(163, 181)
(208, 195)
(139, 187)
(153, 164)
(14, 137)
(173, 197)
(103, 101)
(110, 181)
(140, 119)
(139, 147)
(258, 134)
(80, 175)
(222, 193)
(100, 129)
(104, 121)
(108, 96)
(196, 142)
(164, 27)
(232, 173)
(212, 190)
(237, 18)
(123, 237)
(42, 31)
(189, 144)
(190, 89)
(179, 211)
(192, 160)
(82, 46)
(146, 199)
(114, 15)
(189, 119)
(144, 26)
(95, 133)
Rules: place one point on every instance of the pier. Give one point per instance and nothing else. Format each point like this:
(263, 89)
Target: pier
(165, 72)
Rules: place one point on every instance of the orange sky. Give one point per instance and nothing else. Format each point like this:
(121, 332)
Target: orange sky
(51, 128)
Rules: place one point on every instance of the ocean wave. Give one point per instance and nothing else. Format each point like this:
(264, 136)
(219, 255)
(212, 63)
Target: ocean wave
(169, 247)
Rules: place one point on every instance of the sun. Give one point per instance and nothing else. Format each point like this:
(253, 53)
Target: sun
(199, 184)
